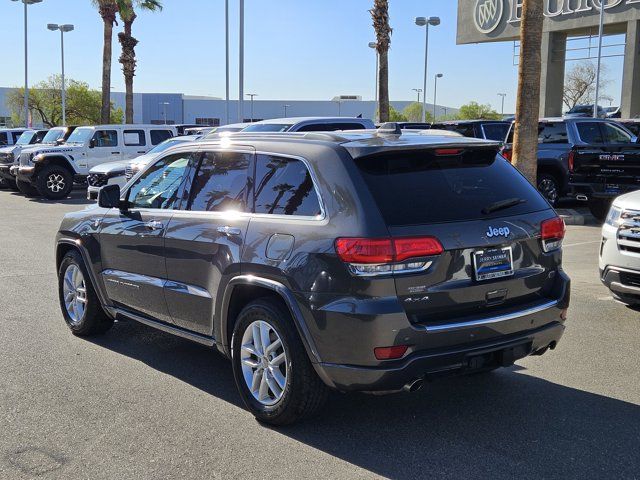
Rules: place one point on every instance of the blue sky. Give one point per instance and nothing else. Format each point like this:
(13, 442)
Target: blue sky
(295, 49)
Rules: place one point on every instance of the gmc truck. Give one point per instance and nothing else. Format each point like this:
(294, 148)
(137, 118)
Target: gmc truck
(571, 152)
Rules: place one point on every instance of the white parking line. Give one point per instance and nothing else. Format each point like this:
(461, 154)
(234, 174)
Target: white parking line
(580, 243)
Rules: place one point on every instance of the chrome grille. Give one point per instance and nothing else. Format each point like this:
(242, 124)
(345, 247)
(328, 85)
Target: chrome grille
(629, 231)
(128, 172)
(97, 179)
(25, 159)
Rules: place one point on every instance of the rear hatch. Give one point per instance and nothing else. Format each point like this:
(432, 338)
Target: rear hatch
(486, 217)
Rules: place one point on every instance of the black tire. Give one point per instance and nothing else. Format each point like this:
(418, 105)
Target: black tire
(12, 185)
(26, 188)
(304, 393)
(599, 208)
(3, 183)
(54, 182)
(93, 321)
(549, 187)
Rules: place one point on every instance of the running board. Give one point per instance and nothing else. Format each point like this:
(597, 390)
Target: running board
(194, 337)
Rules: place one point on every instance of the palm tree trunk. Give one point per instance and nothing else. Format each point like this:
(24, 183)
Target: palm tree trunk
(108, 13)
(128, 61)
(525, 141)
(380, 16)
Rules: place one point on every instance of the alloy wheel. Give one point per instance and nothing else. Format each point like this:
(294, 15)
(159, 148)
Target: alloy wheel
(56, 183)
(74, 290)
(549, 189)
(264, 362)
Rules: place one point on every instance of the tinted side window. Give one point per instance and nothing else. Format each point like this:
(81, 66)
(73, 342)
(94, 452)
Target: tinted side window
(495, 131)
(134, 138)
(464, 129)
(159, 136)
(552, 133)
(106, 138)
(158, 187)
(589, 132)
(614, 134)
(3, 138)
(221, 182)
(284, 186)
(633, 127)
(16, 136)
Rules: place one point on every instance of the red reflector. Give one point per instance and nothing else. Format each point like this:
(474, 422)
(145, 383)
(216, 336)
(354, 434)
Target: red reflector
(552, 229)
(390, 353)
(386, 250)
(365, 250)
(507, 153)
(416, 247)
(448, 151)
(572, 157)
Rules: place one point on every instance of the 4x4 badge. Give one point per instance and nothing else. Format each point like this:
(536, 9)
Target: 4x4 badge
(498, 232)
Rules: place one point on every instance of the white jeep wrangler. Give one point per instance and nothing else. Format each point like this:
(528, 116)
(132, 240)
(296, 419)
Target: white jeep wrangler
(51, 171)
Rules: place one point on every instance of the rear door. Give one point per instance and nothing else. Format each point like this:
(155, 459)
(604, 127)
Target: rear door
(611, 161)
(204, 240)
(132, 241)
(456, 199)
(135, 143)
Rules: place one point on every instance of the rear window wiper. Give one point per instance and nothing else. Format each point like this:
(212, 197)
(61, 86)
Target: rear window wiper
(503, 204)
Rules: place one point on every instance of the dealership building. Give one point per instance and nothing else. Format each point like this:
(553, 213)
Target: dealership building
(481, 21)
(180, 108)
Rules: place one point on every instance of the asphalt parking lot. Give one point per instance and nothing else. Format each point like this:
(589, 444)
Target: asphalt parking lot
(137, 403)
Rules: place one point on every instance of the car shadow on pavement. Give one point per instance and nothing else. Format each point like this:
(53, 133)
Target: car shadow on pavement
(76, 197)
(494, 425)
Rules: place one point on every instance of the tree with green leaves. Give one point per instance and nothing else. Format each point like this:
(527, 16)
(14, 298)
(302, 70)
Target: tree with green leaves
(477, 111)
(45, 103)
(127, 12)
(413, 113)
(380, 16)
(108, 9)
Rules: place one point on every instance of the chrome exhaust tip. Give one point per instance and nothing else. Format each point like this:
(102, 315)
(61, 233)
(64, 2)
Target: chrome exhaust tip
(413, 386)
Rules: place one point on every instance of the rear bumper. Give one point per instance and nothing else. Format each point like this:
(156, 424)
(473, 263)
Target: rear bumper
(450, 349)
(600, 190)
(456, 361)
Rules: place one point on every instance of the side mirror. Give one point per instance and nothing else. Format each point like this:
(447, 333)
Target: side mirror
(109, 197)
(60, 141)
(92, 143)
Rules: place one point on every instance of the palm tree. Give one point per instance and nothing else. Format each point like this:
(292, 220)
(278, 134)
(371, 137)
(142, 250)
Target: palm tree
(108, 10)
(128, 43)
(380, 15)
(525, 141)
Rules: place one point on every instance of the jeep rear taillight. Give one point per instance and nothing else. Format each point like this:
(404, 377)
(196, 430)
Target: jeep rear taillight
(552, 234)
(380, 256)
(507, 152)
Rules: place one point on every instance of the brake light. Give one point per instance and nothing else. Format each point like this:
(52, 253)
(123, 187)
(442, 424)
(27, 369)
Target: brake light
(552, 234)
(572, 159)
(390, 353)
(379, 256)
(448, 151)
(507, 152)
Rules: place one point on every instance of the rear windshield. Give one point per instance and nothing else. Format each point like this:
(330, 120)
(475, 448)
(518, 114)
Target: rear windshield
(412, 188)
(495, 131)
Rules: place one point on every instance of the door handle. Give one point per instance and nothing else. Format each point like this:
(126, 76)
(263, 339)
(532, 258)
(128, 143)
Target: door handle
(115, 153)
(229, 231)
(154, 225)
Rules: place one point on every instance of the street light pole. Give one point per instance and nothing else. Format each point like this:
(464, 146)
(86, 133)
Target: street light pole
(418, 91)
(425, 22)
(503, 95)
(435, 94)
(285, 110)
(226, 48)
(374, 45)
(26, 60)
(164, 110)
(63, 29)
(251, 95)
(241, 66)
(600, 32)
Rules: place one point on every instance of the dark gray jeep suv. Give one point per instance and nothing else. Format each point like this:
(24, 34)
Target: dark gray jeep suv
(356, 261)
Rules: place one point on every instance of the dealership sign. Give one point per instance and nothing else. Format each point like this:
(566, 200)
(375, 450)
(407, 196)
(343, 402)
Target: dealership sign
(488, 14)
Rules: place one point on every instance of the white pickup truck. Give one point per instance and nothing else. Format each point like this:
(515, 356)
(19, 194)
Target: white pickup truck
(11, 154)
(51, 171)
